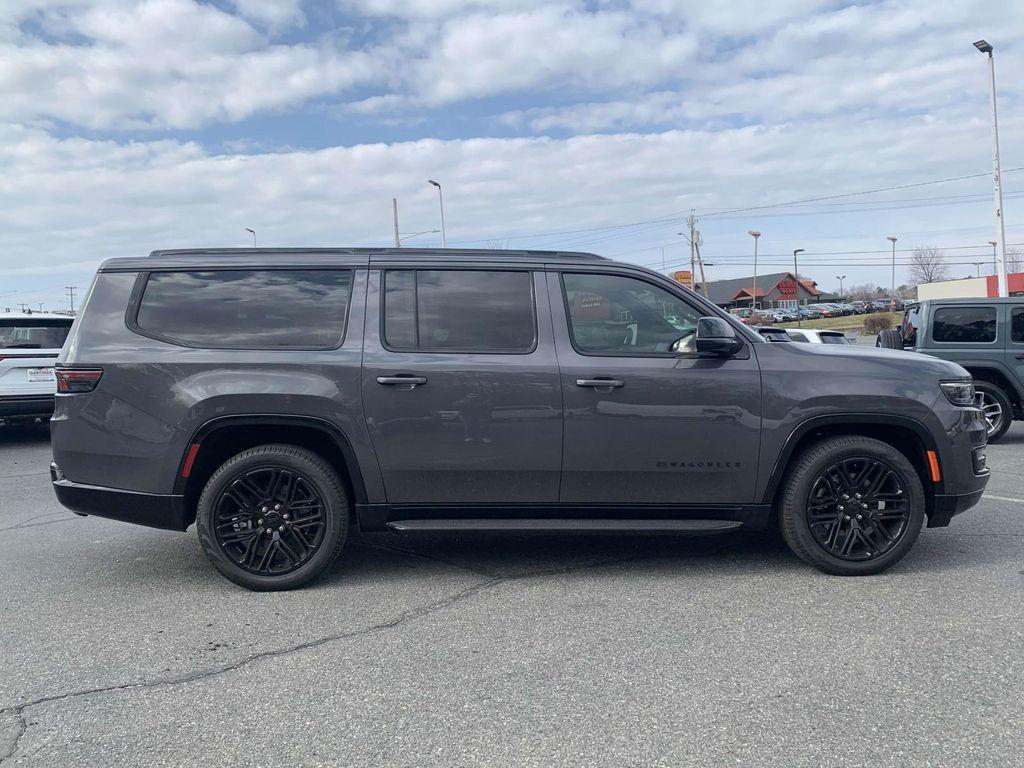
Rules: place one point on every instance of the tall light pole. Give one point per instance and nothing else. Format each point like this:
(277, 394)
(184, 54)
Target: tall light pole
(978, 265)
(253, 233)
(440, 200)
(995, 265)
(840, 278)
(986, 48)
(796, 276)
(756, 235)
(892, 294)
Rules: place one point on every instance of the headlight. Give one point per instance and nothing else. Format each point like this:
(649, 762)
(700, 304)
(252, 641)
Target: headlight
(959, 392)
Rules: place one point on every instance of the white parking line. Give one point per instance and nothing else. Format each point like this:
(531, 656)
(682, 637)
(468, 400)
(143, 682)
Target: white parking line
(1002, 498)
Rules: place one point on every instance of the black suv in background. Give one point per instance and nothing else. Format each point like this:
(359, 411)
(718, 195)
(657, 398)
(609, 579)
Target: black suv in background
(276, 397)
(985, 336)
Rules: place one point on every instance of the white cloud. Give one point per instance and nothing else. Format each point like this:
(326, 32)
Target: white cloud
(275, 14)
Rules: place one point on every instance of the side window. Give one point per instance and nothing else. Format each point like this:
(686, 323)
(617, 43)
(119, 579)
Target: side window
(797, 336)
(1017, 325)
(614, 314)
(975, 325)
(247, 309)
(466, 310)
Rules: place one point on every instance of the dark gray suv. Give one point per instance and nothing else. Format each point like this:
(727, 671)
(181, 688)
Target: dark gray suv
(275, 397)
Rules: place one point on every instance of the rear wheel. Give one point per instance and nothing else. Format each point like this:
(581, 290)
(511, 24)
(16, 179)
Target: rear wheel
(273, 517)
(852, 506)
(997, 408)
(890, 338)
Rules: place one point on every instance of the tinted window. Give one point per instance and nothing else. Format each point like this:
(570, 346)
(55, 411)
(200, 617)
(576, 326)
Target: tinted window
(965, 324)
(833, 338)
(1017, 325)
(615, 314)
(487, 311)
(797, 336)
(248, 309)
(33, 334)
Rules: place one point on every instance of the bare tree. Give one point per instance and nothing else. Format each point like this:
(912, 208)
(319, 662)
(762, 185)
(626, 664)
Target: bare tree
(866, 292)
(1014, 260)
(497, 245)
(928, 265)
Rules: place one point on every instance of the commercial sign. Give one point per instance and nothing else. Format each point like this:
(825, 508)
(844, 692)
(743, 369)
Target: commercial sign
(686, 278)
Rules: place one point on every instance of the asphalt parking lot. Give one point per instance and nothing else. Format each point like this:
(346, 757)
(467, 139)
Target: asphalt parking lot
(121, 646)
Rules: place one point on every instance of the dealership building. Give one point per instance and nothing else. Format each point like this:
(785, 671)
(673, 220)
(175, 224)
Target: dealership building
(971, 287)
(781, 290)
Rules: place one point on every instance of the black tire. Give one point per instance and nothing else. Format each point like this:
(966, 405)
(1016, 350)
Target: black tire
(997, 408)
(886, 526)
(292, 543)
(890, 338)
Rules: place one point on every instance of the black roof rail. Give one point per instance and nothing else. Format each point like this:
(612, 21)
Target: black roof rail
(407, 251)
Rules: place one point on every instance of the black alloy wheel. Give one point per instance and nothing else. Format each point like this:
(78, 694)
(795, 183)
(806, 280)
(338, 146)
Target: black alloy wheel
(851, 505)
(270, 520)
(273, 517)
(857, 508)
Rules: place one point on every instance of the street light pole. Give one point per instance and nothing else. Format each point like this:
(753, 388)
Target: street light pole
(796, 276)
(756, 235)
(840, 278)
(253, 233)
(440, 200)
(986, 48)
(978, 265)
(892, 293)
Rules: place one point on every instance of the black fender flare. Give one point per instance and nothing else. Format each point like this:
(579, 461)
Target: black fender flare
(830, 420)
(335, 433)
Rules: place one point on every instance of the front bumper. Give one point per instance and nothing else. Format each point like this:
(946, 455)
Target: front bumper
(946, 506)
(26, 406)
(149, 509)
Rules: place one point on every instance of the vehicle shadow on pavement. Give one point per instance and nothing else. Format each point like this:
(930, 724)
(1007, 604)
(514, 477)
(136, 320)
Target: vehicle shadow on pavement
(24, 434)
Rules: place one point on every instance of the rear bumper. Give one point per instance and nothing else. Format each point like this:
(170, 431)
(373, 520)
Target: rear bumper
(26, 405)
(149, 509)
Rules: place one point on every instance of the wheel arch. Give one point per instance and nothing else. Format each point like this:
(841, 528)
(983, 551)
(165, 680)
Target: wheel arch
(906, 434)
(223, 437)
(995, 374)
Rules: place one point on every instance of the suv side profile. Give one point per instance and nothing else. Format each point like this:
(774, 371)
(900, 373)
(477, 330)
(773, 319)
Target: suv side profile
(985, 336)
(276, 397)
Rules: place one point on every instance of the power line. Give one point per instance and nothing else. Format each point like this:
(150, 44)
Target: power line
(726, 211)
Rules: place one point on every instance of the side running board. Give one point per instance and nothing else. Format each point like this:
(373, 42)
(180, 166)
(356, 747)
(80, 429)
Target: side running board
(554, 525)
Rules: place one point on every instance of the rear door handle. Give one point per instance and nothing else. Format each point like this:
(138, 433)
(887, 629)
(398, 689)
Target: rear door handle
(599, 383)
(1020, 357)
(404, 380)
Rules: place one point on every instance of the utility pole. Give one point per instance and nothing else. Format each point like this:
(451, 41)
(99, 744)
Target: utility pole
(692, 221)
(394, 206)
(700, 262)
(995, 259)
(796, 277)
(756, 235)
(986, 48)
(71, 293)
(892, 293)
(40, 306)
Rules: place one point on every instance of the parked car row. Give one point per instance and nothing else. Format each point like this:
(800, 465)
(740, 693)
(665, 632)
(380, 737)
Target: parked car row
(805, 335)
(813, 311)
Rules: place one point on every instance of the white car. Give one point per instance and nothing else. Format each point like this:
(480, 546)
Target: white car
(814, 336)
(29, 345)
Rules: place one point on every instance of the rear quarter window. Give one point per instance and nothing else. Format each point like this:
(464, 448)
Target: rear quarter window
(1017, 325)
(964, 325)
(246, 309)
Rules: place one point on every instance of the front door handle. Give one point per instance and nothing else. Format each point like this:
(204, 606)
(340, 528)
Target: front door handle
(405, 380)
(599, 383)
(1020, 357)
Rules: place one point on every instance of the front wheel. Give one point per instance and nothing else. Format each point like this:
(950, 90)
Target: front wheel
(273, 517)
(852, 506)
(997, 408)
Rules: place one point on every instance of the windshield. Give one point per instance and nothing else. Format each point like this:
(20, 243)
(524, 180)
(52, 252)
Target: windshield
(33, 334)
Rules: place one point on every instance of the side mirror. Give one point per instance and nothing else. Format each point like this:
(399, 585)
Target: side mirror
(715, 337)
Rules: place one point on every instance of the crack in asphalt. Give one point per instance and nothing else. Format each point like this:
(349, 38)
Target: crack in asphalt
(29, 524)
(414, 613)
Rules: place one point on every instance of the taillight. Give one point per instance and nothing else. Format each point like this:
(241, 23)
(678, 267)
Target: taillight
(72, 381)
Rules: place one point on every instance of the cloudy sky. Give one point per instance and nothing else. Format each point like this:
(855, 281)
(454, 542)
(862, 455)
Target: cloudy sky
(576, 124)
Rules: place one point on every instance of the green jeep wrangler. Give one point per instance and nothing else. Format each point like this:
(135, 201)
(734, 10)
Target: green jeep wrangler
(985, 336)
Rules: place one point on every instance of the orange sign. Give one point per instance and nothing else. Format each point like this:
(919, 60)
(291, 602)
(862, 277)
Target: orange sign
(686, 278)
